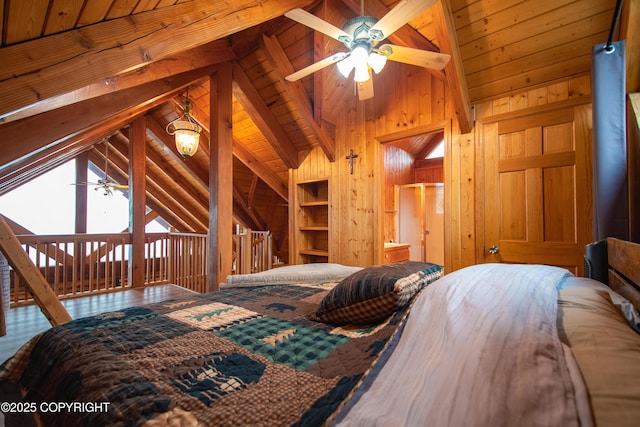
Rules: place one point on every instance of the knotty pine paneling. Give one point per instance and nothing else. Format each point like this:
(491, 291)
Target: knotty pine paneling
(464, 190)
(514, 45)
(398, 170)
(406, 97)
(358, 222)
(430, 174)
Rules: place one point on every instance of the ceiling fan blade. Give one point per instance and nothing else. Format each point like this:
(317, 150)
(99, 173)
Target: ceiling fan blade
(312, 21)
(316, 66)
(419, 57)
(85, 183)
(115, 185)
(402, 13)
(365, 89)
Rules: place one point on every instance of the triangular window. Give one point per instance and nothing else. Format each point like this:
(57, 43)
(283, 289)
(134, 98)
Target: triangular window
(437, 152)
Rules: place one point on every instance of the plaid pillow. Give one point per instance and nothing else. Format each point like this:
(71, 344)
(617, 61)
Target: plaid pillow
(374, 293)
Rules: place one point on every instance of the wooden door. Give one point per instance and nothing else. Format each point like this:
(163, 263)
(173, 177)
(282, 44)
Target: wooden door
(537, 188)
(434, 223)
(410, 226)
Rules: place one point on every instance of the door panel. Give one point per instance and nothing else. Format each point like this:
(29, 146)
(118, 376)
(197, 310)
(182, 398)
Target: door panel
(537, 188)
(411, 219)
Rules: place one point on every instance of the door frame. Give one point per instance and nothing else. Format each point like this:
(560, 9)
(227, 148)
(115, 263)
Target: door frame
(444, 126)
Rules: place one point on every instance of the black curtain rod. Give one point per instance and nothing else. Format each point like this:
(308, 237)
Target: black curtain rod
(616, 16)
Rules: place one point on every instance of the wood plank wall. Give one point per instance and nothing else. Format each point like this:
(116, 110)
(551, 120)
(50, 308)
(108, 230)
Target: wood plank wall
(463, 216)
(398, 170)
(359, 202)
(405, 98)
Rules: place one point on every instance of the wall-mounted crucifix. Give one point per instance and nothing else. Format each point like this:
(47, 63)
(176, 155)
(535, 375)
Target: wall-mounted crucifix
(351, 157)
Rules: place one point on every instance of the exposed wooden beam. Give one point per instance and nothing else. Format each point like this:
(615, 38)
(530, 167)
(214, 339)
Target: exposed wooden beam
(39, 69)
(202, 56)
(282, 66)
(239, 198)
(220, 177)
(82, 163)
(52, 251)
(45, 130)
(137, 200)
(197, 173)
(167, 171)
(182, 214)
(242, 214)
(250, 99)
(319, 53)
(456, 79)
(41, 291)
(251, 196)
(239, 150)
(261, 170)
(32, 166)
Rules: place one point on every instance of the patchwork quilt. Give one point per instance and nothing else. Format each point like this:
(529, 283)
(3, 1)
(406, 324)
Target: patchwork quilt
(240, 356)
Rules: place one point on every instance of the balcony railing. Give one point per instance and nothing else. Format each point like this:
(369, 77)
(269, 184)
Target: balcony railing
(83, 264)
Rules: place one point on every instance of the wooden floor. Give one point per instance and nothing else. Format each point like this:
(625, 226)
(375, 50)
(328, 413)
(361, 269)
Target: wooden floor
(25, 322)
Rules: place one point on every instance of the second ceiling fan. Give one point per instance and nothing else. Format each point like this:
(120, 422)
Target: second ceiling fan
(361, 35)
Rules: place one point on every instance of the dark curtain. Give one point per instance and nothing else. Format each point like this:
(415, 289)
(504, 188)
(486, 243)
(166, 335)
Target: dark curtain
(611, 199)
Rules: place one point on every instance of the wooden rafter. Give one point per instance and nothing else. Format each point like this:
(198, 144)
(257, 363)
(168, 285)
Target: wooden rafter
(41, 131)
(260, 169)
(202, 56)
(283, 68)
(197, 173)
(251, 100)
(39, 69)
(244, 201)
(456, 79)
(42, 293)
(175, 208)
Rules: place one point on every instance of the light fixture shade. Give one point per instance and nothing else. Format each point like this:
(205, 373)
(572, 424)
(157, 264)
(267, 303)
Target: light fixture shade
(362, 73)
(360, 57)
(187, 135)
(345, 66)
(377, 61)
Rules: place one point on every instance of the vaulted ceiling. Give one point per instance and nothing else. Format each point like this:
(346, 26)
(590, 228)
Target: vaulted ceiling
(75, 73)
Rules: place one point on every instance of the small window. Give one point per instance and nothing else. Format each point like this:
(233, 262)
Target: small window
(437, 152)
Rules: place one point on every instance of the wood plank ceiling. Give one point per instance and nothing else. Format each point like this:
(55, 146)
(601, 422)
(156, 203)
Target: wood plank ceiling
(75, 73)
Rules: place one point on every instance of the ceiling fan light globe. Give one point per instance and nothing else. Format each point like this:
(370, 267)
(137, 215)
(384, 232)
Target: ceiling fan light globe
(359, 56)
(345, 66)
(362, 73)
(377, 62)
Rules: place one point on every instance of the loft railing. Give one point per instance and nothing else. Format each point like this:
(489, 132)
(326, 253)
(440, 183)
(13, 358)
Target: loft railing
(253, 251)
(83, 264)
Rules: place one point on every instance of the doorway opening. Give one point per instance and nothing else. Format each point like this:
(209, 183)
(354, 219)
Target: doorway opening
(414, 195)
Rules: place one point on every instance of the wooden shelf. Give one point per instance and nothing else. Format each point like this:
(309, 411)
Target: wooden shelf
(312, 204)
(312, 220)
(314, 252)
(314, 228)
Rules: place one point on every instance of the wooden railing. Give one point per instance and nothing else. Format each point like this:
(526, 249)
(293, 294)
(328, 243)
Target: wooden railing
(253, 251)
(188, 261)
(82, 264)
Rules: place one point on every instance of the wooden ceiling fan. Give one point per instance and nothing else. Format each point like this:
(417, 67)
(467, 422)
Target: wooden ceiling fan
(106, 184)
(361, 36)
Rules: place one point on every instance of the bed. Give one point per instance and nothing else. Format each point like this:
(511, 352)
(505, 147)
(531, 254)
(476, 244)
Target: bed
(491, 344)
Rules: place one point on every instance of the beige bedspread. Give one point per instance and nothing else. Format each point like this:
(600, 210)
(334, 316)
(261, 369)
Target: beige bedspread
(480, 347)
